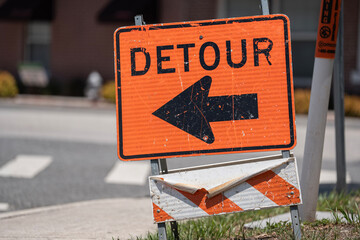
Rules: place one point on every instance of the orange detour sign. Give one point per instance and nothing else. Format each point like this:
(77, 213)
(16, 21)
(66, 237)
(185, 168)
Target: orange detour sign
(204, 87)
(328, 28)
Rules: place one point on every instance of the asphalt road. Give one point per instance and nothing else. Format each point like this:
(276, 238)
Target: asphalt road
(81, 143)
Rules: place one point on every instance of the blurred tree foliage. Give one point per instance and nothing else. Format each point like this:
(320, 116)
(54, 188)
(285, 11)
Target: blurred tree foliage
(8, 86)
(302, 101)
(108, 91)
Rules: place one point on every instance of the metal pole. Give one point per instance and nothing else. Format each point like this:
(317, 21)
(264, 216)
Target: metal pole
(155, 170)
(173, 224)
(265, 7)
(314, 140)
(285, 153)
(139, 20)
(163, 166)
(315, 132)
(295, 219)
(339, 109)
(294, 210)
(156, 166)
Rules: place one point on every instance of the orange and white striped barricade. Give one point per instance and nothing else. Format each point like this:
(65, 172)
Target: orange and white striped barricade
(225, 188)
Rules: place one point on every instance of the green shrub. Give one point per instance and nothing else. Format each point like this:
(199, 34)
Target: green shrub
(8, 86)
(352, 106)
(302, 100)
(108, 91)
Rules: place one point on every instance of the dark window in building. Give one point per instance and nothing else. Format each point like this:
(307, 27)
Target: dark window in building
(36, 16)
(125, 11)
(37, 43)
(25, 10)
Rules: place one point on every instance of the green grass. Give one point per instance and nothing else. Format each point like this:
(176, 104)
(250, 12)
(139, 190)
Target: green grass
(231, 226)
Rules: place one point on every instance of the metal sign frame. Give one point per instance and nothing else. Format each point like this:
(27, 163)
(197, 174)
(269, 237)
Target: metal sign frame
(159, 166)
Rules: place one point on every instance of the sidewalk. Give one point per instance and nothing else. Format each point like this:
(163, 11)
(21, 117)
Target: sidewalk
(57, 101)
(98, 219)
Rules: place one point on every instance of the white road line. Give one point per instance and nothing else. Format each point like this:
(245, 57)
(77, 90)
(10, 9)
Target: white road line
(329, 177)
(133, 173)
(25, 166)
(4, 206)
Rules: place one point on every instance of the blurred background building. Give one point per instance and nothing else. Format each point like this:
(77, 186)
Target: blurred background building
(71, 38)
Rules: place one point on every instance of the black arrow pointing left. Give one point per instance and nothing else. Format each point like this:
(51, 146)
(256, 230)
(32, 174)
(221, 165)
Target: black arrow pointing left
(192, 110)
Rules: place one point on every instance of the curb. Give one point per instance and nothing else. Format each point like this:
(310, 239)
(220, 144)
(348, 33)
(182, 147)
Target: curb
(58, 101)
(20, 213)
(26, 212)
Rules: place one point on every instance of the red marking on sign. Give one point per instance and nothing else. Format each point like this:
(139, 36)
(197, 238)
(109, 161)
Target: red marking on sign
(328, 28)
(160, 215)
(275, 188)
(215, 205)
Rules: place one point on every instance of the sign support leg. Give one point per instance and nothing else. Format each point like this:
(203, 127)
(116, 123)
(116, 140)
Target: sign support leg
(339, 109)
(285, 154)
(139, 20)
(162, 231)
(173, 224)
(155, 170)
(174, 230)
(294, 210)
(158, 166)
(295, 219)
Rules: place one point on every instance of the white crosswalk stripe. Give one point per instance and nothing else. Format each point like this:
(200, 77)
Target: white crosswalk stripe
(136, 173)
(4, 206)
(25, 166)
(329, 177)
(133, 173)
